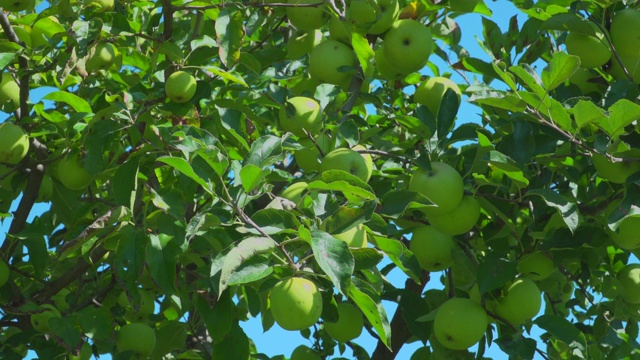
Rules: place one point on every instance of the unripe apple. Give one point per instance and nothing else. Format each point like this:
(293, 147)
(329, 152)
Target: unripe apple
(459, 221)
(625, 33)
(306, 115)
(301, 43)
(632, 64)
(17, 5)
(616, 172)
(348, 160)
(303, 352)
(442, 185)
(43, 30)
(520, 303)
(85, 353)
(308, 159)
(390, 12)
(354, 236)
(4, 273)
(60, 299)
(628, 234)
(40, 321)
(9, 90)
(72, 174)
(138, 338)
(180, 87)
(145, 308)
(307, 18)
(102, 5)
(349, 324)
(537, 266)
(362, 12)
(585, 80)
(460, 323)
(14, 143)
(431, 92)
(629, 277)
(432, 248)
(341, 30)
(294, 192)
(103, 56)
(385, 69)
(407, 45)
(296, 303)
(332, 62)
(593, 51)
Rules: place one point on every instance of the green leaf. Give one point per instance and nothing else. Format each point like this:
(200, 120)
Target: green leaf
(251, 176)
(562, 329)
(6, 59)
(586, 112)
(334, 258)
(234, 346)
(130, 253)
(447, 113)
(273, 221)
(412, 306)
(568, 22)
(254, 269)
(162, 253)
(529, 78)
(170, 336)
(246, 249)
(621, 114)
(76, 102)
(400, 256)
(338, 180)
(184, 167)
(499, 100)
(227, 75)
(396, 203)
(414, 125)
(494, 272)
(218, 318)
(365, 258)
(347, 217)
(266, 151)
(508, 79)
(362, 49)
(499, 161)
(568, 210)
(559, 69)
(229, 34)
(125, 183)
(374, 312)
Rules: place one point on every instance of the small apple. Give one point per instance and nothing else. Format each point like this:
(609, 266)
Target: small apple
(349, 324)
(301, 43)
(631, 64)
(625, 33)
(308, 159)
(303, 352)
(593, 51)
(520, 303)
(102, 5)
(60, 299)
(85, 353)
(4, 273)
(585, 80)
(407, 45)
(629, 277)
(296, 303)
(390, 12)
(9, 90)
(460, 323)
(14, 143)
(385, 69)
(102, 57)
(350, 161)
(72, 174)
(341, 30)
(442, 185)
(294, 192)
(306, 115)
(40, 321)
(616, 172)
(628, 234)
(537, 266)
(138, 338)
(362, 12)
(459, 221)
(332, 62)
(307, 18)
(432, 248)
(431, 92)
(180, 87)
(17, 5)
(354, 236)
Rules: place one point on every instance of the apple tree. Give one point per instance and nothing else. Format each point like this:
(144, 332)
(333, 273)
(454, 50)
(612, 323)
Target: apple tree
(200, 163)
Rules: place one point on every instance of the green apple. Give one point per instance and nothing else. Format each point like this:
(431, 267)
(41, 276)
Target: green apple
(332, 62)
(60, 299)
(46, 189)
(180, 87)
(307, 18)
(362, 12)
(625, 33)
(629, 277)
(459, 221)
(102, 5)
(349, 324)
(44, 29)
(294, 191)
(432, 248)
(9, 90)
(14, 143)
(4, 273)
(306, 86)
(296, 303)
(17, 5)
(463, 5)
(442, 185)
(431, 92)
(348, 160)
(407, 45)
(385, 69)
(631, 64)
(303, 352)
(141, 311)
(85, 353)
(593, 51)
(628, 234)
(585, 80)
(72, 174)
(308, 159)
(354, 236)
(138, 338)
(340, 30)
(40, 321)
(102, 57)
(367, 157)
(460, 323)
(520, 303)
(301, 43)
(616, 172)
(299, 114)
(390, 11)
(537, 266)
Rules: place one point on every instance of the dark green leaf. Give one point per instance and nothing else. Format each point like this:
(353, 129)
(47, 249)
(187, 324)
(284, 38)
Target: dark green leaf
(374, 312)
(246, 249)
(230, 35)
(334, 258)
(494, 272)
(559, 69)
